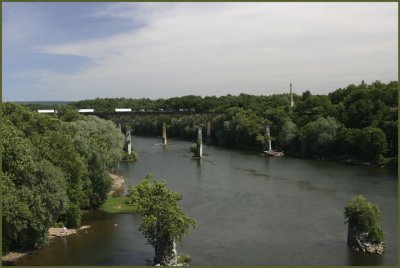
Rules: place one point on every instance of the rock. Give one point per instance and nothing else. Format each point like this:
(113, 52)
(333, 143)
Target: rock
(358, 241)
(61, 232)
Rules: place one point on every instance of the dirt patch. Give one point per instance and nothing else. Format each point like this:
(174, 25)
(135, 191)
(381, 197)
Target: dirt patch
(117, 182)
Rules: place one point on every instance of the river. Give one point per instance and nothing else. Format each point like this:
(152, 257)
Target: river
(250, 210)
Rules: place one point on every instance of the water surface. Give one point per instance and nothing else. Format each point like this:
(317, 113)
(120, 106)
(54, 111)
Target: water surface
(250, 210)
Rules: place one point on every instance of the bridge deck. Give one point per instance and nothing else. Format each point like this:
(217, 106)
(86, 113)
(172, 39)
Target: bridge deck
(151, 113)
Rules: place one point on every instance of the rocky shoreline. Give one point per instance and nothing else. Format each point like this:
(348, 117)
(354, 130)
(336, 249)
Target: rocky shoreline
(360, 243)
(59, 232)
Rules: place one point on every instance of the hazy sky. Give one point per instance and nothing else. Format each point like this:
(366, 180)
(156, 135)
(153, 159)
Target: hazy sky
(72, 51)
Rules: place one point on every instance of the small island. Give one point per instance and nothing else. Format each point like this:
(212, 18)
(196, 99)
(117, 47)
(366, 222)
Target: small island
(364, 233)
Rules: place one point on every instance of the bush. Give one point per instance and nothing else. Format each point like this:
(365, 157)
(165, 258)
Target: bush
(364, 217)
(193, 148)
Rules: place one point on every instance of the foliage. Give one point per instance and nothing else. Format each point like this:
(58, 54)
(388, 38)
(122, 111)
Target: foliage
(364, 216)
(133, 156)
(288, 134)
(373, 142)
(193, 148)
(184, 259)
(53, 166)
(163, 219)
(317, 137)
(242, 119)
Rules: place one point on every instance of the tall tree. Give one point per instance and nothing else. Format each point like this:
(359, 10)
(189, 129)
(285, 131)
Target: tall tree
(164, 222)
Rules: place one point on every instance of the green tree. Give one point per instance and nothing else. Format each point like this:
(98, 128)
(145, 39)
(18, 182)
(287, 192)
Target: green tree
(347, 142)
(53, 166)
(164, 222)
(373, 143)
(317, 137)
(288, 134)
(34, 192)
(363, 217)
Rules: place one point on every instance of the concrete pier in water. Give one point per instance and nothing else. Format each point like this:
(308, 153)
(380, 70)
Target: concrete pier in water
(128, 141)
(164, 133)
(199, 144)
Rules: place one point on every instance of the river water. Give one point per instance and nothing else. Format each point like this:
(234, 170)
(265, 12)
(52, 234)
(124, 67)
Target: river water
(250, 210)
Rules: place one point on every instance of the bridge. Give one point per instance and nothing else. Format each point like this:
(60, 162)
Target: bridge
(128, 111)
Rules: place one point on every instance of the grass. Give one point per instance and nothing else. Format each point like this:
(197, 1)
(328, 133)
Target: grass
(118, 205)
(184, 259)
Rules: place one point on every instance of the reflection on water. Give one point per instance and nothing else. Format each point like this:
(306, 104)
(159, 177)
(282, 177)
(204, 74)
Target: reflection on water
(250, 210)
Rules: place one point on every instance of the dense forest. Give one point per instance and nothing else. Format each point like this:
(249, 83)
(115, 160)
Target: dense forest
(357, 122)
(52, 167)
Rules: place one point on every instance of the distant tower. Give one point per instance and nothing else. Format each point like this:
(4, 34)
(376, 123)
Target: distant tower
(291, 97)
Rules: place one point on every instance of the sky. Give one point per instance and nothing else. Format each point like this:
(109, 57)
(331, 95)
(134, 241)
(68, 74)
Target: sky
(73, 51)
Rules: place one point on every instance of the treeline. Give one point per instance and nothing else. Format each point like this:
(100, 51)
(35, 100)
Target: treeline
(52, 167)
(357, 122)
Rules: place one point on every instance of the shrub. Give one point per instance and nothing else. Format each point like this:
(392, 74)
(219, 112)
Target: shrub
(364, 216)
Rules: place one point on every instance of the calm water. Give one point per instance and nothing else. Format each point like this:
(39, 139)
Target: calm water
(250, 210)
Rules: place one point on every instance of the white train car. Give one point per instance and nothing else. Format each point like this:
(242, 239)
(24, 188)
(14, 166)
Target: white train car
(86, 110)
(123, 110)
(49, 111)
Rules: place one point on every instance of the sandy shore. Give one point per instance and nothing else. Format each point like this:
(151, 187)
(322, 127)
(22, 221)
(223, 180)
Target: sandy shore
(53, 231)
(116, 183)
(12, 256)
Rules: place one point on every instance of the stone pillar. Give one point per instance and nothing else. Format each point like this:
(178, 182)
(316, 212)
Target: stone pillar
(128, 142)
(268, 139)
(164, 133)
(199, 144)
(208, 133)
(165, 253)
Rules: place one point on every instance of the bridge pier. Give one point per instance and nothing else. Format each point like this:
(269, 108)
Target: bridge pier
(208, 133)
(164, 133)
(128, 142)
(268, 146)
(199, 144)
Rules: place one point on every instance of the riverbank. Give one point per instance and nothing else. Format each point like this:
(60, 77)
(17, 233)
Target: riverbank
(112, 205)
(10, 257)
(119, 203)
(117, 183)
(58, 232)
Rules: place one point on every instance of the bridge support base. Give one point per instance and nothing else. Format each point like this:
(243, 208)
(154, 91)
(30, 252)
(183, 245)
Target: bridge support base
(199, 144)
(164, 134)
